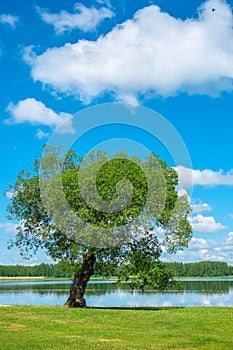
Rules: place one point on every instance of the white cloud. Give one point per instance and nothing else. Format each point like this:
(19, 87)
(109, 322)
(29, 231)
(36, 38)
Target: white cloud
(8, 227)
(201, 207)
(9, 194)
(206, 249)
(183, 192)
(231, 215)
(105, 2)
(206, 224)
(84, 18)
(40, 134)
(152, 53)
(229, 239)
(198, 243)
(190, 177)
(36, 113)
(9, 19)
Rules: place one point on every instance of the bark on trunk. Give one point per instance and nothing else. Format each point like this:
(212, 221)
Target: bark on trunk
(77, 290)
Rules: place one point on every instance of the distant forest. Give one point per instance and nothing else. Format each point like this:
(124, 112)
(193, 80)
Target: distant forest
(45, 270)
(201, 269)
(197, 269)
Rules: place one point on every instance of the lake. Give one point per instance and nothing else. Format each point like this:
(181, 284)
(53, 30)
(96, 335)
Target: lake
(106, 293)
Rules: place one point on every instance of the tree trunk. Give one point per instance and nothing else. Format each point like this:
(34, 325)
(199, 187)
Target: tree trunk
(77, 290)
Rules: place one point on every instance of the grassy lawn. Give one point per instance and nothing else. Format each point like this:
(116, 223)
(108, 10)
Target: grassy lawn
(40, 327)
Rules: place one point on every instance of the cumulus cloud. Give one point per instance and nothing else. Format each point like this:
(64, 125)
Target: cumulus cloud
(198, 243)
(201, 207)
(36, 113)
(153, 53)
(83, 18)
(206, 249)
(9, 19)
(190, 177)
(205, 224)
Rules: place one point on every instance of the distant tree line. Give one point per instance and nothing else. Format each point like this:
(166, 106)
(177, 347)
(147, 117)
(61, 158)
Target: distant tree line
(196, 269)
(200, 269)
(45, 270)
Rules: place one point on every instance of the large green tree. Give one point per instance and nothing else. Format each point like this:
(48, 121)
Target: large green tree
(101, 213)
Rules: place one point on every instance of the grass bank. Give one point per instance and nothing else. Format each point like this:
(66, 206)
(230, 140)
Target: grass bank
(31, 279)
(100, 278)
(41, 278)
(36, 327)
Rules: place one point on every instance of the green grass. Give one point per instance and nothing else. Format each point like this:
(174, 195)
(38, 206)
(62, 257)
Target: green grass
(32, 279)
(44, 327)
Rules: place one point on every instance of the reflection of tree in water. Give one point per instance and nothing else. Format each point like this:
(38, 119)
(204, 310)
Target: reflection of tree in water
(217, 286)
(101, 288)
(209, 286)
(41, 289)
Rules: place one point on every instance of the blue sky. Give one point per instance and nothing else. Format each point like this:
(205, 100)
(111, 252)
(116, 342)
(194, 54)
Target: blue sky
(175, 57)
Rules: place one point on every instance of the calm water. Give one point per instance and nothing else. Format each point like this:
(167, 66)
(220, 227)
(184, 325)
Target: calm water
(196, 292)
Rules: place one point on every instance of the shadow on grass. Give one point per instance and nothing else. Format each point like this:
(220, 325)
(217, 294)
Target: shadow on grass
(147, 308)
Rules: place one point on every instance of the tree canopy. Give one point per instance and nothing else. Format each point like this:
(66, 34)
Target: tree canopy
(109, 211)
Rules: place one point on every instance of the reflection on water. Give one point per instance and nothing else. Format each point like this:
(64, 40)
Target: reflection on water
(195, 292)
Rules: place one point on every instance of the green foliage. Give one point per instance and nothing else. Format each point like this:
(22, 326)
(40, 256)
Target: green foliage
(142, 266)
(66, 219)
